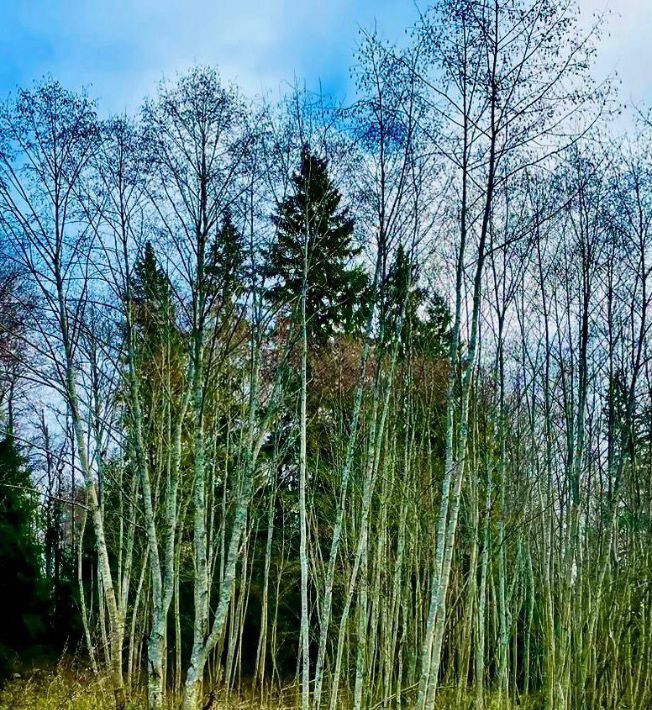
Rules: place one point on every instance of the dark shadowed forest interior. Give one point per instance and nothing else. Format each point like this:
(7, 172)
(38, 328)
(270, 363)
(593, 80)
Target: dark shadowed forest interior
(309, 405)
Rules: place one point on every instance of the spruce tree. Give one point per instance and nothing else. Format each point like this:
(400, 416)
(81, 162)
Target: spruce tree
(426, 327)
(152, 298)
(336, 285)
(225, 267)
(23, 588)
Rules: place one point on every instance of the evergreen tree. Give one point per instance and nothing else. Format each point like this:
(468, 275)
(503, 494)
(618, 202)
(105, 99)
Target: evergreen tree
(336, 285)
(426, 327)
(158, 347)
(152, 298)
(23, 589)
(225, 263)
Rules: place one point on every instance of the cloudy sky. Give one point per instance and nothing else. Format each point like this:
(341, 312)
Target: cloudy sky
(119, 49)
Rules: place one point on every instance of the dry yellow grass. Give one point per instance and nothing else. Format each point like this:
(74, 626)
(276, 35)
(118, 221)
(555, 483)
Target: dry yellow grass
(73, 688)
(61, 689)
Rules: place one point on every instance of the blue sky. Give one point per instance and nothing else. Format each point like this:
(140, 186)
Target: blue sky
(121, 49)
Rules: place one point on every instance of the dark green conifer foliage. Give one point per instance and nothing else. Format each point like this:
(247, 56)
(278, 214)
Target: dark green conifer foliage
(23, 589)
(426, 327)
(336, 285)
(225, 263)
(154, 311)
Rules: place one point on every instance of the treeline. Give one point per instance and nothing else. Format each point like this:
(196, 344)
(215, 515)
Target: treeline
(349, 406)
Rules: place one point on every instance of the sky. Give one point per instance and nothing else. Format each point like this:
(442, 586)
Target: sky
(120, 49)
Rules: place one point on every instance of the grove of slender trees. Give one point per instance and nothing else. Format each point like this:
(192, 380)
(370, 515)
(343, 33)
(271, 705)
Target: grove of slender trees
(336, 406)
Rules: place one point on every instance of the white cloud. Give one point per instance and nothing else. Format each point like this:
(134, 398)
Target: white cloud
(123, 47)
(626, 45)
